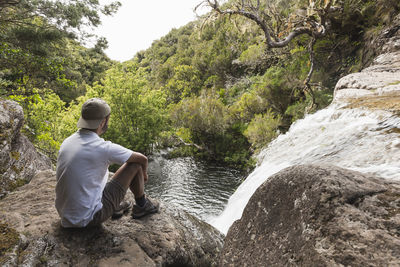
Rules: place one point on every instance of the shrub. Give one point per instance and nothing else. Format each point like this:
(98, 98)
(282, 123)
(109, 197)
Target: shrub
(262, 129)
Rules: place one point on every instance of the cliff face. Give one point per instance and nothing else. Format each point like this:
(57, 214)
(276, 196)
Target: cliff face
(19, 160)
(379, 81)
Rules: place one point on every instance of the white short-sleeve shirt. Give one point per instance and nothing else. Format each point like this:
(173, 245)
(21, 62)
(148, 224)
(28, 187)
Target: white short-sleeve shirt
(82, 172)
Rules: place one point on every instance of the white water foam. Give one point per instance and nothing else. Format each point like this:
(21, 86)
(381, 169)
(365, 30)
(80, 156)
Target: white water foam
(357, 139)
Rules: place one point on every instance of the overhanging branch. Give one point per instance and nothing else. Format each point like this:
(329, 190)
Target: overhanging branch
(312, 28)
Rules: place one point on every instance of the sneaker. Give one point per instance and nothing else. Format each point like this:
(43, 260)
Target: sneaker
(148, 208)
(124, 207)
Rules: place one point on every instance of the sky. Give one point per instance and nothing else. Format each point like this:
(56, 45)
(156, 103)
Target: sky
(139, 22)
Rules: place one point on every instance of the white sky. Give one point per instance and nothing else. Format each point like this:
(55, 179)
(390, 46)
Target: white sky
(139, 22)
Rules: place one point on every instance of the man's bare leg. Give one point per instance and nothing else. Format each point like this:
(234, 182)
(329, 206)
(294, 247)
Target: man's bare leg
(130, 175)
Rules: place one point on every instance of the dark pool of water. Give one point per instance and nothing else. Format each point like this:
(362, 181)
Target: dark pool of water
(200, 188)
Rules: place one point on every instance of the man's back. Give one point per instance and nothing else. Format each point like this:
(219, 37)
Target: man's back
(81, 176)
(82, 171)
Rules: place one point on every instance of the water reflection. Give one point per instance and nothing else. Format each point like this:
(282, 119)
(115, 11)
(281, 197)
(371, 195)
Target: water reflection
(198, 187)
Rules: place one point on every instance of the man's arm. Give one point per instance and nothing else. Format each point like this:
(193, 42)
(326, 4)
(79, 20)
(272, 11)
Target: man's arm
(141, 159)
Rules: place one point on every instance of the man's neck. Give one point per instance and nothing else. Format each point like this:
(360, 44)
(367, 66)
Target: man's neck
(92, 130)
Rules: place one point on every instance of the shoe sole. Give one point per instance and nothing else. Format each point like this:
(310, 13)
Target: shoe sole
(142, 214)
(118, 214)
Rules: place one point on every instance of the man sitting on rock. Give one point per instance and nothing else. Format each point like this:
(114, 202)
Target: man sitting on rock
(83, 195)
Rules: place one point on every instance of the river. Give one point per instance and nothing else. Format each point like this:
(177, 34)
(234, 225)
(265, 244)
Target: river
(201, 188)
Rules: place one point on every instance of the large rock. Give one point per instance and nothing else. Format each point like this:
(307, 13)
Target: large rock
(19, 160)
(381, 80)
(169, 238)
(387, 41)
(310, 215)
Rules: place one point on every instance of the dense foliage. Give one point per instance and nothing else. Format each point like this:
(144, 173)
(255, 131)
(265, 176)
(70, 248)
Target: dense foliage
(39, 46)
(212, 88)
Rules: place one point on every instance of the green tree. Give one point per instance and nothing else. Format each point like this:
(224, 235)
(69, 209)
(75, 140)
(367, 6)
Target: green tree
(262, 129)
(247, 106)
(205, 120)
(205, 116)
(33, 37)
(184, 83)
(282, 21)
(137, 111)
(43, 120)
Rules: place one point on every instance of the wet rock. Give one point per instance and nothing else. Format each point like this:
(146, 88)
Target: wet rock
(315, 215)
(19, 160)
(169, 238)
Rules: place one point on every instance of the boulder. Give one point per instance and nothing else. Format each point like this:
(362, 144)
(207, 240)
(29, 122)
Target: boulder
(19, 160)
(171, 237)
(316, 215)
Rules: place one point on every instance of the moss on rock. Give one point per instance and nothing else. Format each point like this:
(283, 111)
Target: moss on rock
(388, 102)
(15, 155)
(9, 238)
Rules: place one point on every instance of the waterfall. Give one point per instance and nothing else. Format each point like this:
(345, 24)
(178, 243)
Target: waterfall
(357, 139)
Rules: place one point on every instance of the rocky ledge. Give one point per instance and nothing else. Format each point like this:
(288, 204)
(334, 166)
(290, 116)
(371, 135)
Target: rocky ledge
(377, 86)
(313, 215)
(35, 237)
(19, 160)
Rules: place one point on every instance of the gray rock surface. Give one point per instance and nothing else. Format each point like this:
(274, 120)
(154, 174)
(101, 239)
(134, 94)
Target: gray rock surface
(389, 39)
(19, 160)
(169, 238)
(311, 215)
(382, 78)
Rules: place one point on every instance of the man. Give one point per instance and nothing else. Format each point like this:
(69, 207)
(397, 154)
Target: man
(83, 196)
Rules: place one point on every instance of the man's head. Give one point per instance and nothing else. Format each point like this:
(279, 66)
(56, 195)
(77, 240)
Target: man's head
(94, 113)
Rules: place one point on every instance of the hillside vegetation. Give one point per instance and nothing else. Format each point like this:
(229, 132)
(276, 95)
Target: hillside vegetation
(212, 88)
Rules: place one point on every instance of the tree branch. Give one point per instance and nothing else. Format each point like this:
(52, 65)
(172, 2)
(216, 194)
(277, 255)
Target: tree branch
(307, 86)
(314, 29)
(8, 3)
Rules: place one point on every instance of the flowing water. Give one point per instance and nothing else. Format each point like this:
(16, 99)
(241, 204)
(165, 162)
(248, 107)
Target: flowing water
(200, 188)
(356, 139)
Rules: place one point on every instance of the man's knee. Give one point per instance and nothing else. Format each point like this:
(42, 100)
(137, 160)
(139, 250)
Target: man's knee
(127, 173)
(133, 166)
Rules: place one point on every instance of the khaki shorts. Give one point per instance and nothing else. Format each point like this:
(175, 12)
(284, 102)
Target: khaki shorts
(113, 194)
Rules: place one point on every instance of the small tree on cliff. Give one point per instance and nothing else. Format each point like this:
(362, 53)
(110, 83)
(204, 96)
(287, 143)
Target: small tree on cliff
(308, 17)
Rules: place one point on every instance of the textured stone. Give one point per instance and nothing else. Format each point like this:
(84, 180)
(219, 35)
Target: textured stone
(382, 77)
(311, 215)
(169, 238)
(19, 159)
(386, 41)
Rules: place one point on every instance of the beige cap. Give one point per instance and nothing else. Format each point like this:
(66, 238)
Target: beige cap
(93, 112)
